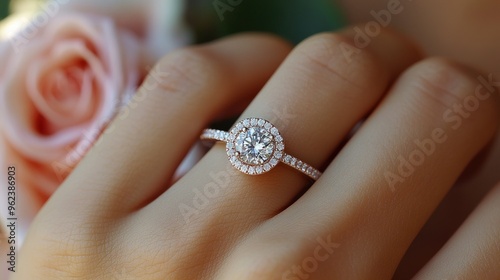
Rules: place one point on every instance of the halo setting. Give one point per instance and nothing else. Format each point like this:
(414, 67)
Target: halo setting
(254, 146)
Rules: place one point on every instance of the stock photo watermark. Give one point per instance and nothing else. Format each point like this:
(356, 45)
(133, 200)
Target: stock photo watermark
(221, 180)
(453, 119)
(223, 6)
(322, 252)
(37, 22)
(11, 225)
(364, 36)
(282, 116)
(202, 196)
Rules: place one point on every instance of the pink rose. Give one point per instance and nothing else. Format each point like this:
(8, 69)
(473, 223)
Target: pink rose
(62, 84)
(65, 81)
(63, 77)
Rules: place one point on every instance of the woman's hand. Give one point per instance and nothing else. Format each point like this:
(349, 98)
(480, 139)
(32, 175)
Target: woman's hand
(115, 217)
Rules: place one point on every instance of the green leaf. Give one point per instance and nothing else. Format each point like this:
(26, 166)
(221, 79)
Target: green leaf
(4, 8)
(292, 19)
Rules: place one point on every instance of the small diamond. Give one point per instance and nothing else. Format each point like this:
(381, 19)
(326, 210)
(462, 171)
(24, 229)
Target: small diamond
(268, 125)
(292, 162)
(273, 161)
(274, 131)
(304, 167)
(309, 170)
(278, 155)
(261, 122)
(246, 122)
(279, 138)
(244, 168)
(253, 122)
(288, 158)
(239, 126)
(281, 147)
(299, 164)
(267, 167)
(259, 169)
(237, 164)
(251, 170)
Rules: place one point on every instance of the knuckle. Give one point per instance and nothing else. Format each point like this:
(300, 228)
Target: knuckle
(442, 81)
(442, 84)
(72, 250)
(185, 71)
(323, 52)
(64, 262)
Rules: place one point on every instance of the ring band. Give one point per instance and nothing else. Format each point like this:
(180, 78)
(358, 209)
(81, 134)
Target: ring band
(254, 146)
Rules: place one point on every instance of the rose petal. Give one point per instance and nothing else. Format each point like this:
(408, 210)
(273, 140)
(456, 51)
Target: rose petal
(122, 68)
(57, 114)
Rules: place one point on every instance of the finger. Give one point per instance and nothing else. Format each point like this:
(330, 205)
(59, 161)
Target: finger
(182, 94)
(473, 252)
(315, 102)
(315, 98)
(381, 188)
(473, 185)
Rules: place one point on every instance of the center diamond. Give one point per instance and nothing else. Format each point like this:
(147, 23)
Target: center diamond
(255, 145)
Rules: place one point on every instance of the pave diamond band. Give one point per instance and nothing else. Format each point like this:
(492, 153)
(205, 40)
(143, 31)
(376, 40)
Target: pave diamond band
(255, 146)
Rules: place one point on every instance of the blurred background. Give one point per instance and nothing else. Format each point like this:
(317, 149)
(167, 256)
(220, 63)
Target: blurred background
(210, 19)
(4, 8)
(291, 19)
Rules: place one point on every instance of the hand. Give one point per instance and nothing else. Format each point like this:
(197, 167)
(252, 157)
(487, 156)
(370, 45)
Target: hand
(115, 217)
(433, 26)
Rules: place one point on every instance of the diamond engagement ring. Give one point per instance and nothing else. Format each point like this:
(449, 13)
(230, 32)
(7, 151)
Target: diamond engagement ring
(254, 146)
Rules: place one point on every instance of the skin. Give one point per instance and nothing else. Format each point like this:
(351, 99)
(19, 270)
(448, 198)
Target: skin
(463, 31)
(115, 216)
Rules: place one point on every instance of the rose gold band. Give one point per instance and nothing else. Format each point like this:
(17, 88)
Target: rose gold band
(279, 156)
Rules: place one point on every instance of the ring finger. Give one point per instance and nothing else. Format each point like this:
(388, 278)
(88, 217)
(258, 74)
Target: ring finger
(315, 98)
(376, 209)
